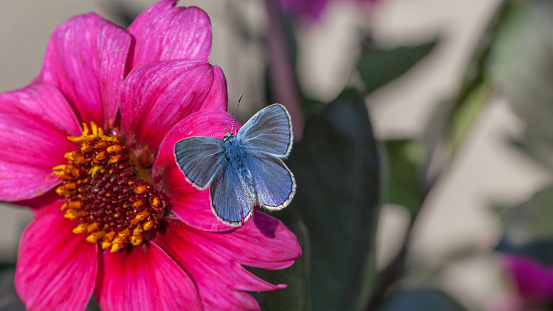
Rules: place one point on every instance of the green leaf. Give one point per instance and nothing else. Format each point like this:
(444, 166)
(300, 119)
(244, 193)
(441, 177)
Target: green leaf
(453, 118)
(421, 300)
(295, 297)
(337, 172)
(531, 220)
(522, 67)
(522, 63)
(537, 146)
(379, 66)
(404, 157)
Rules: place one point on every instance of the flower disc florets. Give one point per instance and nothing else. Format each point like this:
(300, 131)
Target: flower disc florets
(105, 195)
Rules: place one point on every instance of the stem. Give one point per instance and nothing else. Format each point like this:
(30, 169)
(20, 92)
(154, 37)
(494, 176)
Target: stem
(282, 78)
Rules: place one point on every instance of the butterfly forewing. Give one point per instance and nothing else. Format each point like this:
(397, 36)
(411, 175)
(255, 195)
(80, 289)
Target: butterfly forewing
(268, 131)
(200, 158)
(229, 200)
(274, 183)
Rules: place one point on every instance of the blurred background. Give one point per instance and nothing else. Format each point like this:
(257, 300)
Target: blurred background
(453, 240)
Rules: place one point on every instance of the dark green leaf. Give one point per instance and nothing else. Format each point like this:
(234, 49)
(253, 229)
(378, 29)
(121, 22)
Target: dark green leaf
(336, 167)
(403, 158)
(378, 66)
(295, 297)
(421, 300)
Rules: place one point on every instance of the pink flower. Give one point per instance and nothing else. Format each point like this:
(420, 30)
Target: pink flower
(115, 217)
(532, 280)
(308, 9)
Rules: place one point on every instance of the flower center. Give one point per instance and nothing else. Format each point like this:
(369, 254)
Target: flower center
(105, 196)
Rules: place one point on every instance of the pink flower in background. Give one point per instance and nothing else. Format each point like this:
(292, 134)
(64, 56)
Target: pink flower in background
(532, 279)
(532, 285)
(89, 146)
(310, 9)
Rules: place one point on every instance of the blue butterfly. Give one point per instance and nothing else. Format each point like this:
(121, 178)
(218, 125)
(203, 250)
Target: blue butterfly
(243, 170)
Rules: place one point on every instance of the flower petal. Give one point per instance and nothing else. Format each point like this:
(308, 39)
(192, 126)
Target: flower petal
(34, 124)
(56, 269)
(156, 96)
(222, 282)
(270, 244)
(533, 279)
(164, 32)
(144, 278)
(86, 59)
(189, 204)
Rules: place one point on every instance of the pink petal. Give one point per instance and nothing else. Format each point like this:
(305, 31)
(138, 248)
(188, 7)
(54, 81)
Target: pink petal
(144, 278)
(36, 203)
(56, 269)
(270, 244)
(222, 282)
(189, 204)
(155, 97)
(86, 59)
(533, 279)
(34, 124)
(163, 32)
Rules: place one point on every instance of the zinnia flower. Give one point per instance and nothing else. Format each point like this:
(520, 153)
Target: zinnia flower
(89, 146)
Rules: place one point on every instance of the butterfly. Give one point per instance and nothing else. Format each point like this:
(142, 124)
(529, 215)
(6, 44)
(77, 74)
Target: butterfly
(243, 170)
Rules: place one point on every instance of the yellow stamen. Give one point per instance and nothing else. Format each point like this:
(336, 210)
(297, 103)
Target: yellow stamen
(114, 148)
(60, 170)
(137, 203)
(92, 227)
(140, 189)
(124, 234)
(80, 228)
(86, 148)
(148, 225)
(137, 231)
(100, 145)
(109, 236)
(106, 244)
(115, 159)
(115, 247)
(73, 214)
(155, 202)
(94, 170)
(136, 240)
(101, 156)
(79, 160)
(71, 155)
(95, 236)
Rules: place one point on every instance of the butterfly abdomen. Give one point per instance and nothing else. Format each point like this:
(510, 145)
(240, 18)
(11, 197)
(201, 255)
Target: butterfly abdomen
(237, 157)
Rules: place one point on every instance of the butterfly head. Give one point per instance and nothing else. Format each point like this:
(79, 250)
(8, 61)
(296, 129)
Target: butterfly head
(227, 135)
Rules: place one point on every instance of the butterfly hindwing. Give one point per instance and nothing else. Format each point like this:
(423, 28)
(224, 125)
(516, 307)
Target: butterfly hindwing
(269, 131)
(274, 182)
(229, 200)
(200, 158)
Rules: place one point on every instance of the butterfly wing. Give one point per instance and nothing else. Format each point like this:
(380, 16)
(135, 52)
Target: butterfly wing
(200, 158)
(269, 131)
(274, 182)
(229, 200)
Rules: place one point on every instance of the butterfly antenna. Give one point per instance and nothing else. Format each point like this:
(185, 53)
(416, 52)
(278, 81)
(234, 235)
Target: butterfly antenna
(236, 112)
